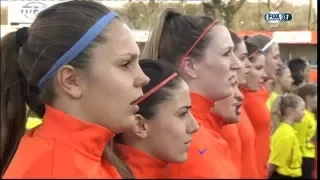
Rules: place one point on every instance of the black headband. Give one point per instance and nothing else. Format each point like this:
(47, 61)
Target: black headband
(21, 36)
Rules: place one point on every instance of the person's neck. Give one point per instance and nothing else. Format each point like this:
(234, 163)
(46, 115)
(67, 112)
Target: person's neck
(277, 89)
(288, 120)
(268, 85)
(195, 88)
(309, 108)
(73, 109)
(140, 145)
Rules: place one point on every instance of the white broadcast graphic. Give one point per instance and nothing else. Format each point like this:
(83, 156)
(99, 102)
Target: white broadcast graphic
(24, 12)
(275, 17)
(31, 10)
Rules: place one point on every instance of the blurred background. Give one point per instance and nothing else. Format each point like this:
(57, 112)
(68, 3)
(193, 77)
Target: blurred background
(297, 38)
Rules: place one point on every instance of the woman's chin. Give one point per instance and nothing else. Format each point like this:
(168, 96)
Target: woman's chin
(182, 158)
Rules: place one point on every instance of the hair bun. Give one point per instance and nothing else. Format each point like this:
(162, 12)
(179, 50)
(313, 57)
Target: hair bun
(21, 36)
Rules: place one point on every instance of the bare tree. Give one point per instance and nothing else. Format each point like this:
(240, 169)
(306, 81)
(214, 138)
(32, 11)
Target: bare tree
(140, 15)
(224, 10)
(275, 6)
(310, 22)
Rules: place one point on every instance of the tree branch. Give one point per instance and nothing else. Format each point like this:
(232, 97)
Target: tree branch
(271, 8)
(207, 8)
(279, 5)
(237, 5)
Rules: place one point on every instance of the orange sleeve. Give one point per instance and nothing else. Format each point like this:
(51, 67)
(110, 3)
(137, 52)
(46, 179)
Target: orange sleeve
(248, 154)
(231, 134)
(259, 116)
(208, 157)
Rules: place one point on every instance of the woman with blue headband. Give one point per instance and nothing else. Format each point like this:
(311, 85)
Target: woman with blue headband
(79, 64)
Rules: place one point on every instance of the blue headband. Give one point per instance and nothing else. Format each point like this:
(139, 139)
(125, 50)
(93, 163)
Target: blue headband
(77, 48)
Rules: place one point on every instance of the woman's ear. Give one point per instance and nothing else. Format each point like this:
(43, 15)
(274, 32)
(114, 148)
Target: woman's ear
(189, 67)
(69, 81)
(140, 127)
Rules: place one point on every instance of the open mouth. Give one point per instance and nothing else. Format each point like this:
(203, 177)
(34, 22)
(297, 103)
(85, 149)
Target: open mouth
(238, 109)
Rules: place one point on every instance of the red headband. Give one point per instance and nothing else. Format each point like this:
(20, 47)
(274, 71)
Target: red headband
(156, 88)
(183, 59)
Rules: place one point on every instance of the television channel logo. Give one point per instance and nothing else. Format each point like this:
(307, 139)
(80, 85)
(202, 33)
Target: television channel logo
(277, 17)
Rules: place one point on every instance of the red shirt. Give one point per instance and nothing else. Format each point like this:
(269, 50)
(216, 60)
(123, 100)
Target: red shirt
(209, 155)
(259, 115)
(62, 147)
(247, 135)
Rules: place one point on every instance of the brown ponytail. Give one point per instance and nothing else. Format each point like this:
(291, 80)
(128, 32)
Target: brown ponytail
(112, 156)
(13, 105)
(275, 114)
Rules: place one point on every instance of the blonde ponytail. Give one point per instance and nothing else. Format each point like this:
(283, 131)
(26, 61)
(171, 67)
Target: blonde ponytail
(152, 46)
(275, 114)
(112, 155)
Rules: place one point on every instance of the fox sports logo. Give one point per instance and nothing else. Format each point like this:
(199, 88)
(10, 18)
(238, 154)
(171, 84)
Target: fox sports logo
(274, 17)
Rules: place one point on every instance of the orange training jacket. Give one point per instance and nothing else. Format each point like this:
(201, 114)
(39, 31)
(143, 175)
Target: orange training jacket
(230, 134)
(209, 155)
(62, 147)
(259, 115)
(142, 164)
(264, 93)
(247, 135)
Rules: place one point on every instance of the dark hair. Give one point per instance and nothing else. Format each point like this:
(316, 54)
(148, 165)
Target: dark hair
(308, 89)
(157, 71)
(235, 38)
(297, 67)
(253, 49)
(54, 31)
(260, 40)
(173, 34)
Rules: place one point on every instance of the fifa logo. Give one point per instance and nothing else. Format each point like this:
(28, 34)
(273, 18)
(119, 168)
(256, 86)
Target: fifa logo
(276, 17)
(32, 9)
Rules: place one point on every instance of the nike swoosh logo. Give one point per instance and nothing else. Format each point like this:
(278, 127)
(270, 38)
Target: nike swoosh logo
(201, 152)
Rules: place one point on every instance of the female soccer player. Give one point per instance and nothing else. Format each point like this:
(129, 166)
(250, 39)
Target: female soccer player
(163, 126)
(202, 51)
(256, 109)
(81, 79)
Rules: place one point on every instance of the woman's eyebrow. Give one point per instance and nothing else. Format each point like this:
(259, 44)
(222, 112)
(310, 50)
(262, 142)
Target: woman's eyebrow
(185, 107)
(130, 54)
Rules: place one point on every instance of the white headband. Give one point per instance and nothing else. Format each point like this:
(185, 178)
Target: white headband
(268, 45)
